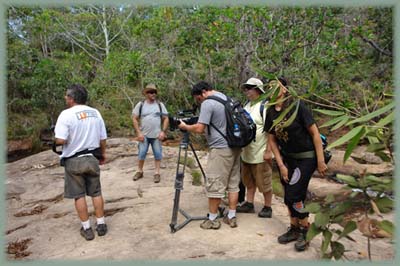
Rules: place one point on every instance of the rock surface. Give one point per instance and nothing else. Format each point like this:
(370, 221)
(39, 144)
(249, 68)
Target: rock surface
(42, 225)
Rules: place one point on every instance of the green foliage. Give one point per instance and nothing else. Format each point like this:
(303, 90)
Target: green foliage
(190, 162)
(196, 178)
(116, 51)
(370, 194)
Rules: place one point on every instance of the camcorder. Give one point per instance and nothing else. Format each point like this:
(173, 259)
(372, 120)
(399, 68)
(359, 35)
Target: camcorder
(187, 116)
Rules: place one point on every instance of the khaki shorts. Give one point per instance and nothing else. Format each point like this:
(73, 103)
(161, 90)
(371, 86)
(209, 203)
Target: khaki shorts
(259, 175)
(82, 177)
(223, 172)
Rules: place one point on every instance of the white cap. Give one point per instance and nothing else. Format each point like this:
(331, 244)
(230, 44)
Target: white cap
(255, 82)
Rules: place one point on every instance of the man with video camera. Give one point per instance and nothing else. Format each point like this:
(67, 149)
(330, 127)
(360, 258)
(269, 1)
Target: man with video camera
(223, 162)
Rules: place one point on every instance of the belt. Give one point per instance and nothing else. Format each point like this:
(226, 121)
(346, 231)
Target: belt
(301, 155)
(85, 155)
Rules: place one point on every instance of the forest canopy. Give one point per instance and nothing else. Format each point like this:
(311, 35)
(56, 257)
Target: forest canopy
(345, 54)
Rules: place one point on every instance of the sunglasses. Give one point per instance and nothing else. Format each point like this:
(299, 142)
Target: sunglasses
(247, 88)
(151, 92)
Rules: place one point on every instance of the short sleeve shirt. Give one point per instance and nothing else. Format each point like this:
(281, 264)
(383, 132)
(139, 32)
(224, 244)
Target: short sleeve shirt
(150, 118)
(254, 152)
(295, 138)
(212, 111)
(82, 127)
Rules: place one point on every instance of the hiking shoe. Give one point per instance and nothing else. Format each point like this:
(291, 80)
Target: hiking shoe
(301, 243)
(87, 234)
(266, 212)
(291, 235)
(208, 224)
(137, 176)
(232, 222)
(157, 178)
(246, 207)
(101, 229)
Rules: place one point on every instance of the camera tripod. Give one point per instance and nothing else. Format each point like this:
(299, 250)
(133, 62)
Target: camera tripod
(180, 173)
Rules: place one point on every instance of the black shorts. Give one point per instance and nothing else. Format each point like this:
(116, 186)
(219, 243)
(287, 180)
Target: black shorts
(299, 173)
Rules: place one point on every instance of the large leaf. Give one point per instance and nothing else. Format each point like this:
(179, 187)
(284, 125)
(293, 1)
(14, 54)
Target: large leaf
(374, 179)
(326, 241)
(313, 231)
(329, 198)
(338, 219)
(376, 147)
(271, 103)
(369, 116)
(340, 208)
(329, 112)
(333, 121)
(321, 219)
(350, 227)
(291, 91)
(292, 117)
(387, 226)
(384, 204)
(347, 137)
(386, 120)
(312, 207)
(341, 123)
(273, 95)
(350, 180)
(337, 250)
(373, 139)
(353, 143)
(283, 114)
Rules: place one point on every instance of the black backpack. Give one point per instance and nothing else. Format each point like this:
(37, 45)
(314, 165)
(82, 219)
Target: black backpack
(240, 128)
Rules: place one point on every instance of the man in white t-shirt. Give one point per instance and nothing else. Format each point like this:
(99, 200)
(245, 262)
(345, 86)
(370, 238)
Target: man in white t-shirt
(81, 131)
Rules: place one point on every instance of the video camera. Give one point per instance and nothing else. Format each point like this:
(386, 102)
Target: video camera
(187, 116)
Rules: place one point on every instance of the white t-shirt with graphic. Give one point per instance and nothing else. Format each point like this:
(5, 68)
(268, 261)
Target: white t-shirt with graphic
(82, 127)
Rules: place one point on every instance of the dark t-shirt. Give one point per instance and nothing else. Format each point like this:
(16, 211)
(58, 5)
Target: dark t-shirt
(294, 138)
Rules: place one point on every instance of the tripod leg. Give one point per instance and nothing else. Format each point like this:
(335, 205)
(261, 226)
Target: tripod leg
(180, 173)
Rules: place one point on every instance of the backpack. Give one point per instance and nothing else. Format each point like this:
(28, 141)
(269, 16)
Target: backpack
(327, 153)
(240, 128)
(141, 106)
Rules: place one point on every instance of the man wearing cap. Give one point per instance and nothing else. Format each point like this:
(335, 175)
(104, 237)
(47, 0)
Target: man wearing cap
(150, 120)
(255, 172)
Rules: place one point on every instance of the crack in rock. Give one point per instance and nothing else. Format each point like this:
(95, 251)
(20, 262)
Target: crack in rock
(15, 229)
